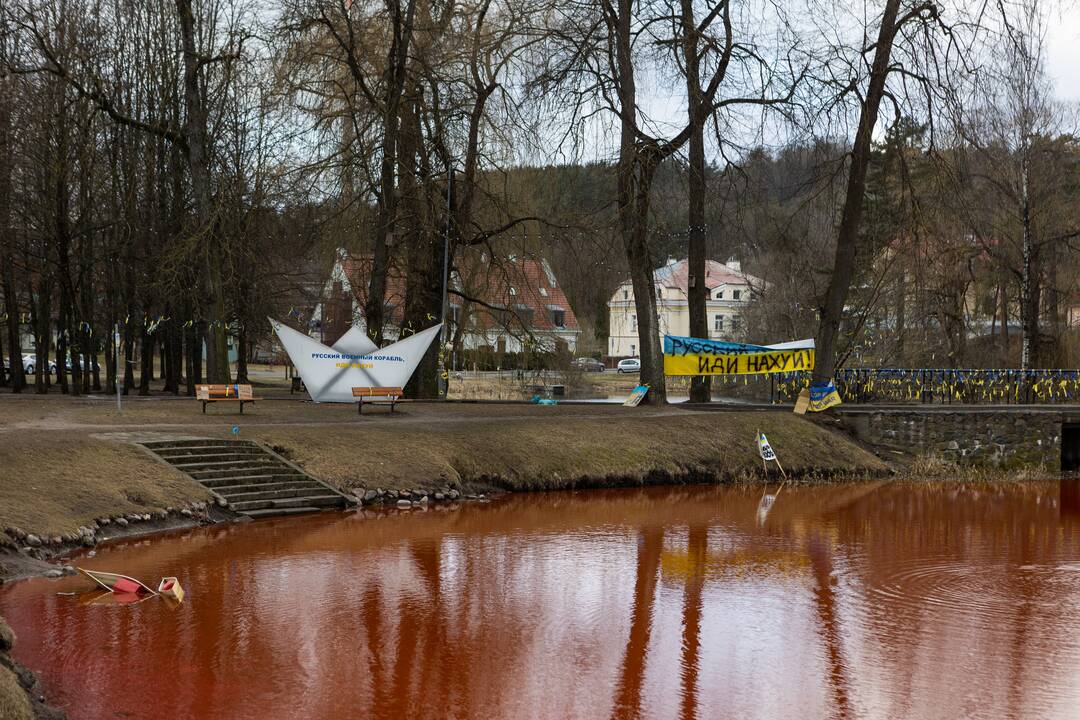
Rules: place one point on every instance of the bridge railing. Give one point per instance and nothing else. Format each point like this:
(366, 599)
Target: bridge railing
(943, 385)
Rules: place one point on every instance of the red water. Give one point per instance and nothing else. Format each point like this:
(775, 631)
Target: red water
(854, 601)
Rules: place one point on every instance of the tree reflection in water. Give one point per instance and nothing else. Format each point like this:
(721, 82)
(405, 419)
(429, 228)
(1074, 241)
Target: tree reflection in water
(874, 600)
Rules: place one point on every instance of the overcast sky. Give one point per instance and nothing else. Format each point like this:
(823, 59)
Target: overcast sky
(1063, 52)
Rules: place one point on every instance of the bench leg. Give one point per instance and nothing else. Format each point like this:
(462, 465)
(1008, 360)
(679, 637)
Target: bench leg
(392, 402)
(241, 407)
(204, 407)
(360, 406)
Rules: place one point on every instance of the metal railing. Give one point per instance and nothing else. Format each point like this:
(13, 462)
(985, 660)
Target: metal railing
(978, 386)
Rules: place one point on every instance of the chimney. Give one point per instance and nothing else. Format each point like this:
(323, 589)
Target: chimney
(734, 265)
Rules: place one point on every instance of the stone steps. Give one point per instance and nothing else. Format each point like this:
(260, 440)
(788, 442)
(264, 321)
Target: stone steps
(156, 445)
(239, 472)
(327, 500)
(268, 489)
(224, 464)
(210, 454)
(225, 484)
(278, 512)
(250, 479)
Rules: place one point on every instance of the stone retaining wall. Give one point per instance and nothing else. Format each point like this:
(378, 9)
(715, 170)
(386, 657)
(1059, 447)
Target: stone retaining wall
(997, 438)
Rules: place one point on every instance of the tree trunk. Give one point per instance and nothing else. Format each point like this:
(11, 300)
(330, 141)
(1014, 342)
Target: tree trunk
(1004, 324)
(242, 356)
(423, 292)
(697, 292)
(129, 358)
(832, 312)
(146, 356)
(173, 352)
(633, 183)
(1029, 285)
(1049, 354)
(68, 345)
(192, 350)
(62, 345)
(17, 377)
(110, 358)
(40, 310)
(394, 80)
(197, 356)
(195, 132)
(11, 307)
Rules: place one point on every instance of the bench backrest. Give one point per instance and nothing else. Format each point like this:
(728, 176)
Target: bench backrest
(376, 392)
(218, 392)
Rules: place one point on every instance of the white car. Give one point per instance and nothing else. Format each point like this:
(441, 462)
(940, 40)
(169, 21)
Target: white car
(30, 361)
(629, 365)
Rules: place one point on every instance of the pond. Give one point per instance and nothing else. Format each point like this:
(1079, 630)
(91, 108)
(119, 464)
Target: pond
(873, 600)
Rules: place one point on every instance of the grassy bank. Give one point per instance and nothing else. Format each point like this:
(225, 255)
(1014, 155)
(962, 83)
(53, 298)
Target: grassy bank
(53, 483)
(68, 461)
(545, 453)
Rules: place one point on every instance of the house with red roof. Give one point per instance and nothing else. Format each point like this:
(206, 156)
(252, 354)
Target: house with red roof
(503, 305)
(730, 291)
(512, 304)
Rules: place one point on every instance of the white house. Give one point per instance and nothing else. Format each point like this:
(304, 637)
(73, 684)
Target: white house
(730, 290)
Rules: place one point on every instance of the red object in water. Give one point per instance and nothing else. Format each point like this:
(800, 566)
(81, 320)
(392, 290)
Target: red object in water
(123, 585)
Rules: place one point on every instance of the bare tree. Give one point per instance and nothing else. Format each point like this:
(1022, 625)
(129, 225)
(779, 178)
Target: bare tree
(598, 49)
(721, 46)
(891, 25)
(12, 309)
(1014, 156)
(188, 135)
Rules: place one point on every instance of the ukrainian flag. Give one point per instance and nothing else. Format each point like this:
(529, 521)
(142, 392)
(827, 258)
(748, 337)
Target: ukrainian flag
(823, 396)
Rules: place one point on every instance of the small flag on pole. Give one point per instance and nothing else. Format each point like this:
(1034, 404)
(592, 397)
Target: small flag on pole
(767, 454)
(764, 448)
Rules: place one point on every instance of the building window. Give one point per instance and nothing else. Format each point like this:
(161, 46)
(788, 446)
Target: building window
(513, 291)
(543, 292)
(736, 294)
(719, 294)
(735, 324)
(558, 318)
(633, 351)
(633, 323)
(718, 323)
(625, 294)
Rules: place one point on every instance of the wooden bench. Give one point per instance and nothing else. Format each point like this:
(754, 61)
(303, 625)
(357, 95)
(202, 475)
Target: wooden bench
(224, 393)
(362, 392)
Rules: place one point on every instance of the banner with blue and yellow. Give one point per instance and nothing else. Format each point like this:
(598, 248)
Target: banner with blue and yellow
(695, 356)
(823, 396)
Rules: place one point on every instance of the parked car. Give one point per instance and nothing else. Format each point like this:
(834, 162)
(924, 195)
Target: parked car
(30, 362)
(588, 364)
(629, 365)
